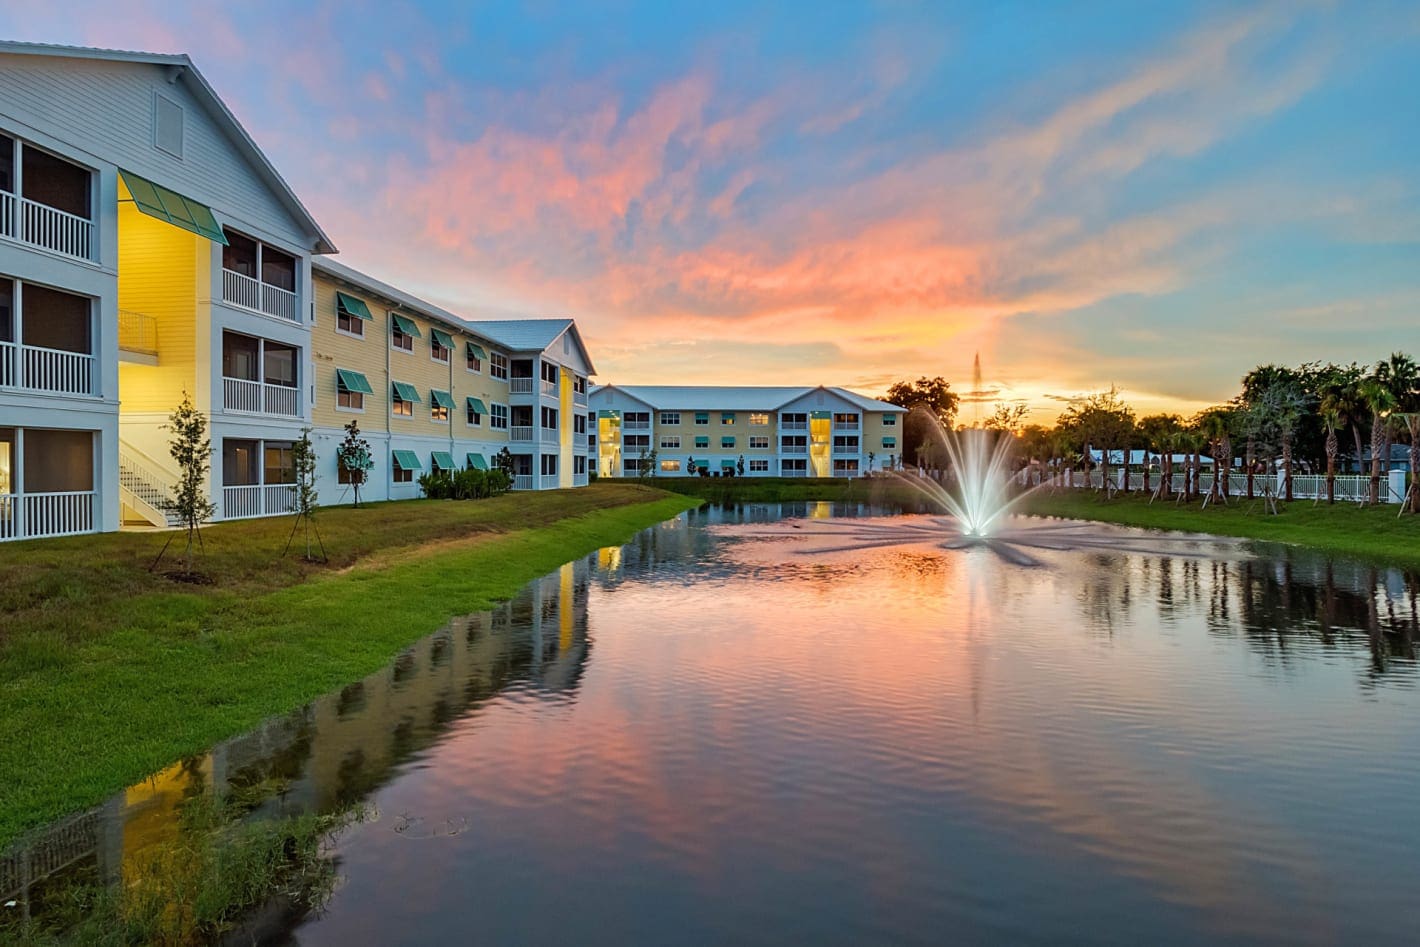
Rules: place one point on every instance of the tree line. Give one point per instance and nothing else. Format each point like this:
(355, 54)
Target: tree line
(1311, 417)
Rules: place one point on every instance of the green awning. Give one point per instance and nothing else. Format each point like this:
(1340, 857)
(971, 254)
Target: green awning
(616, 415)
(702, 442)
(889, 442)
(170, 206)
(476, 405)
(727, 417)
(443, 460)
(441, 398)
(406, 460)
(477, 462)
(727, 442)
(476, 351)
(702, 417)
(406, 325)
(353, 381)
(820, 415)
(442, 337)
(405, 392)
(727, 462)
(352, 307)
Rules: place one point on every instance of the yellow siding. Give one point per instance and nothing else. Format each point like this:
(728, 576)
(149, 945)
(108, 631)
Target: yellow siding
(157, 277)
(331, 349)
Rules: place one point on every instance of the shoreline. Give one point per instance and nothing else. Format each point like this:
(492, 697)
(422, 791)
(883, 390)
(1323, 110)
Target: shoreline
(102, 689)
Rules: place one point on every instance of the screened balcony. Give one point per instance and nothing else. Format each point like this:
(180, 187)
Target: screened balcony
(45, 201)
(258, 478)
(46, 483)
(46, 340)
(259, 278)
(259, 376)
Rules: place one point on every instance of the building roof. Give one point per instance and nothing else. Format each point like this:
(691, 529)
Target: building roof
(733, 398)
(207, 96)
(527, 334)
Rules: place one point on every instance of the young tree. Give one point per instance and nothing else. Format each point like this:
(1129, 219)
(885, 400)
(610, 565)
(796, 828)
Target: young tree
(871, 457)
(192, 450)
(646, 465)
(503, 460)
(932, 407)
(740, 466)
(353, 456)
(1006, 417)
(306, 499)
(1101, 421)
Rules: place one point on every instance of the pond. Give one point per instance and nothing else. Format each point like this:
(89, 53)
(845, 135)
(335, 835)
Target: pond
(736, 730)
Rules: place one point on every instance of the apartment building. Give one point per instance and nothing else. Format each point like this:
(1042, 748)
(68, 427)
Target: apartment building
(775, 431)
(148, 249)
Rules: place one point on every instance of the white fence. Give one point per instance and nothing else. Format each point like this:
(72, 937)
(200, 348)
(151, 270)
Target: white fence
(248, 293)
(520, 386)
(520, 432)
(254, 397)
(39, 369)
(49, 228)
(1350, 488)
(522, 482)
(33, 515)
(244, 502)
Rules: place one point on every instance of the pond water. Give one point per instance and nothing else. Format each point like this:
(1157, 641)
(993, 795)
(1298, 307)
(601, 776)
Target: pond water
(729, 731)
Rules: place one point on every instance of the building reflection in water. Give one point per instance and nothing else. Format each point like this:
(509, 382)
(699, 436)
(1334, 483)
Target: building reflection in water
(336, 749)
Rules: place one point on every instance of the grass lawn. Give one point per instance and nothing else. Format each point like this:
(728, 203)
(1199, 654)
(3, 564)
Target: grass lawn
(109, 672)
(1373, 533)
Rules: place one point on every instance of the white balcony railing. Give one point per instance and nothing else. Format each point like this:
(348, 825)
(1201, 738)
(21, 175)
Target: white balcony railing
(549, 387)
(550, 435)
(254, 397)
(520, 386)
(848, 472)
(33, 515)
(238, 289)
(249, 500)
(840, 451)
(39, 369)
(49, 228)
(793, 425)
(520, 432)
(636, 425)
(849, 426)
(793, 449)
(790, 472)
(522, 482)
(550, 482)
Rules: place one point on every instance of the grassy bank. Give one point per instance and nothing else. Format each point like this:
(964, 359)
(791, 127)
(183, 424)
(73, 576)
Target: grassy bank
(109, 672)
(1372, 533)
(789, 489)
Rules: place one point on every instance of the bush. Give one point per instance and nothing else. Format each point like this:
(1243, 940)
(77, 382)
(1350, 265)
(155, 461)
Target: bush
(467, 484)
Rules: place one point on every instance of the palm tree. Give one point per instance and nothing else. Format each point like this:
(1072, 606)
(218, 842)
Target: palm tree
(1402, 376)
(1331, 417)
(1340, 406)
(1379, 399)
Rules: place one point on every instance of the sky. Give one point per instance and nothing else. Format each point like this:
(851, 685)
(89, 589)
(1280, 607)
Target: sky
(1150, 196)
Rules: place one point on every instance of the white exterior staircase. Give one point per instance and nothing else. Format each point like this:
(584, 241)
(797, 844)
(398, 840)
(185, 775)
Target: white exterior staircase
(143, 486)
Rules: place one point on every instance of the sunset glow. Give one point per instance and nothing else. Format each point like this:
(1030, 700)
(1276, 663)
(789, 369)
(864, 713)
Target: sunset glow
(736, 196)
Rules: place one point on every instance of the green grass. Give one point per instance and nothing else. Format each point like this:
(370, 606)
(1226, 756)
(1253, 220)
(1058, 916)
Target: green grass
(1373, 533)
(109, 672)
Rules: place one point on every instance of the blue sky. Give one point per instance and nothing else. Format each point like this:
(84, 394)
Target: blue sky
(1155, 196)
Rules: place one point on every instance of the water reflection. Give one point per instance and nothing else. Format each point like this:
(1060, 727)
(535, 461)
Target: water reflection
(859, 745)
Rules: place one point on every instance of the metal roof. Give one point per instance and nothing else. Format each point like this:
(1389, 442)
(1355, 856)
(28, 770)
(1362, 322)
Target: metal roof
(732, 398)
(206, 95)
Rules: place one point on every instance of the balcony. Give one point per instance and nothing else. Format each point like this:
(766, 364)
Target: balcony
(520, 432)
(137, 332)
(32, 515)
(48, 228)
(636, 425)
(842, 451)
(549, 388)
(32, 368)
(549, 482)
(793, 449)
(793, 425)
(579, 441)
(520, 386)
(254, 397)
(522, 482)
(850, 427)
(789, 472)
(550, 435)
(579, 397)
(245, 502)
(245, 292)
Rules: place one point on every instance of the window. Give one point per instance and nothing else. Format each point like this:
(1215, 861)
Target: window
(670, 442)
(350, 315)
(670, 466)
(498, 417)
(400, 336)
(549, 418)
(890, 442)
(759, 465)
(794, 465)
(845, 420)
(342, 474)
(637, 419)
(579, 423)
(727, 442)
(636, 441)
(441, 403)
(670, 418)
(845, 466)
(403, 398)
(441, 345)
(579, 384)
(280, 462)
(889, 420)
(54, 320)
(727, 417)
(631, 465)
(475, 412)
(549, 464)
(702, 417)
(845, 445)
(498, 366)
(759, 420)
(347, 399)
(702, 442)
(473, 357)
(579, 464)
(760, 442)
(549, 373)
(794, 421)
(54, 182)
(241, 357)
(279, 364)
(58, 461)
(167, 125)
(239, 463)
